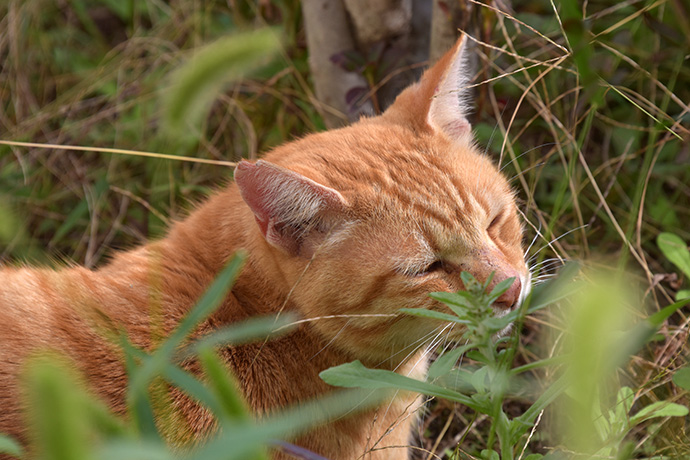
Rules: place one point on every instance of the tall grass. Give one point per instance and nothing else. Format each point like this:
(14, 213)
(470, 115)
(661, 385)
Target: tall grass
(585, 106)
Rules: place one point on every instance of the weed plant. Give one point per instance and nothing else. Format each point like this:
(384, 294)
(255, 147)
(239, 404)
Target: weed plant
(583, 105)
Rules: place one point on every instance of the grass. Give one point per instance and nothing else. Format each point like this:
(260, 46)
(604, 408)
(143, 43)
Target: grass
(588, 117)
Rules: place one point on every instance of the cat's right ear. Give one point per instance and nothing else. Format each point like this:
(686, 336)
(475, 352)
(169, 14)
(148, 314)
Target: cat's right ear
(294, 213)
(438, 101)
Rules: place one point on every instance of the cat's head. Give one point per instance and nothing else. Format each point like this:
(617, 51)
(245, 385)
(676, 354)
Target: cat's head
(371, 218)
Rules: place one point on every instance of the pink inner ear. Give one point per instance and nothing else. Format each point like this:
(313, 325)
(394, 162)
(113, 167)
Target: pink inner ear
(249, 179)
(280, 197)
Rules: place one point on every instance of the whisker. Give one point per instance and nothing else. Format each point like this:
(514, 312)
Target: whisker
(493, 132)
(413, 345)
(547, 261)
(549, 243)
(525, 153)
(536, 165)
(315, 318)
(436, 335)
(546, 266)
(545, 277)
(330, 341)
(537, 233)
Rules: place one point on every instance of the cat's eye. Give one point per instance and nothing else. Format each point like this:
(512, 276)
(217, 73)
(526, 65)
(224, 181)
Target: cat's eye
(433, 267)
(495, 221)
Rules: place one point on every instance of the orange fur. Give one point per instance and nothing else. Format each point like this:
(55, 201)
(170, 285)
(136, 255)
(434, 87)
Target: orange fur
(340, 228)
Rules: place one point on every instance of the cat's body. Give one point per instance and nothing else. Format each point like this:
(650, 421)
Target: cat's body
(343, 227)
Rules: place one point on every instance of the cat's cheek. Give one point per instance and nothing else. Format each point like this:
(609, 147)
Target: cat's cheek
(425, 285)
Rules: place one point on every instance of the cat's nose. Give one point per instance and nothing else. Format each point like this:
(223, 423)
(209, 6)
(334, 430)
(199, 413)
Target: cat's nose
(509, 299)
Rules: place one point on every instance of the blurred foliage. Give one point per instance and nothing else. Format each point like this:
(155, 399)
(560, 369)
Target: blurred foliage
(69, 423)
(585, 106)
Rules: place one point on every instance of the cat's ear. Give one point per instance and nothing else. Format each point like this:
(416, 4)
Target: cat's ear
(438, 100)
(294, 212)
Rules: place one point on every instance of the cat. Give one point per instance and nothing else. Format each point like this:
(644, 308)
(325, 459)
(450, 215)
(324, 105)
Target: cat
(343, 228)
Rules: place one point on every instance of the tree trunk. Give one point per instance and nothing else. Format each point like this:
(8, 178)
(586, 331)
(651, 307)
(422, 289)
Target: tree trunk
(328, 34)
(446, 18)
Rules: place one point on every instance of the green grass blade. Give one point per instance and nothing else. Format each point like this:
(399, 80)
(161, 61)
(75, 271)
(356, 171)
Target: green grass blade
(355, 375)
(500, 288)
(251, 330)
(59, 411)
(431, 314)
(240, 441)
(139, 403)
(10, 447)
(195, 84)
(659, 409)
(192, 387)
(139, 450)
(675, 250)
(224, 386)
(682, 378)
(211, 300)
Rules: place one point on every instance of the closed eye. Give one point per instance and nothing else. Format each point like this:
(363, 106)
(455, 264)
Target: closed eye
(495, 221)
(433, 267)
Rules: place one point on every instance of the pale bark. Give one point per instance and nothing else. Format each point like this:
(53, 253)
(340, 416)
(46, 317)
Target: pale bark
(445, 21)
(376, 20)
(328, 33)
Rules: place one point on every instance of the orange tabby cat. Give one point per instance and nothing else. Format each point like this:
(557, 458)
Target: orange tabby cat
(343, 227)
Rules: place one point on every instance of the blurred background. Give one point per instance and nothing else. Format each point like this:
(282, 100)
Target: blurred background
(585, 105)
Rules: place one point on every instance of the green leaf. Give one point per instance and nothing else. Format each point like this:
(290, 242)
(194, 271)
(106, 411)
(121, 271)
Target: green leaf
(240, 440)
(500, 288)
(224, 386)
(675, 250)
(136, 450)
(657, 319)
(251, 330)
(445, 362)
(488, 454)
(355, 375)
(471, 284)
(431, 314)
(502, 424)
(682, 378)
(497, 324)
(479, 379)
(626, 451)
(139, 403)
(211, 299)
(10, 446)
(60, 410)
(461, 298)
(188, 383)
(618, 417)
(11, 227)
(545, 294)
(659, 409)
(524, 422)
(196, 84)
(81, 211)
(459, 380)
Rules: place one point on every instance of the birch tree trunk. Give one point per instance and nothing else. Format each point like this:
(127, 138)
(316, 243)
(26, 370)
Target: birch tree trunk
(418, 30)
(328, 34)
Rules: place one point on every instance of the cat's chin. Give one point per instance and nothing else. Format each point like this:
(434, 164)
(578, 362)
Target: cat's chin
(504, 332)
(500, 313)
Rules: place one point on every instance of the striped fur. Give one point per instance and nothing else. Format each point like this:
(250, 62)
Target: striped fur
(343, 227)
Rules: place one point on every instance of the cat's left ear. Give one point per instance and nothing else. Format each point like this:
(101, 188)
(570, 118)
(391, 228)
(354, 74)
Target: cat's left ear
(294, 213)
(439, 100)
